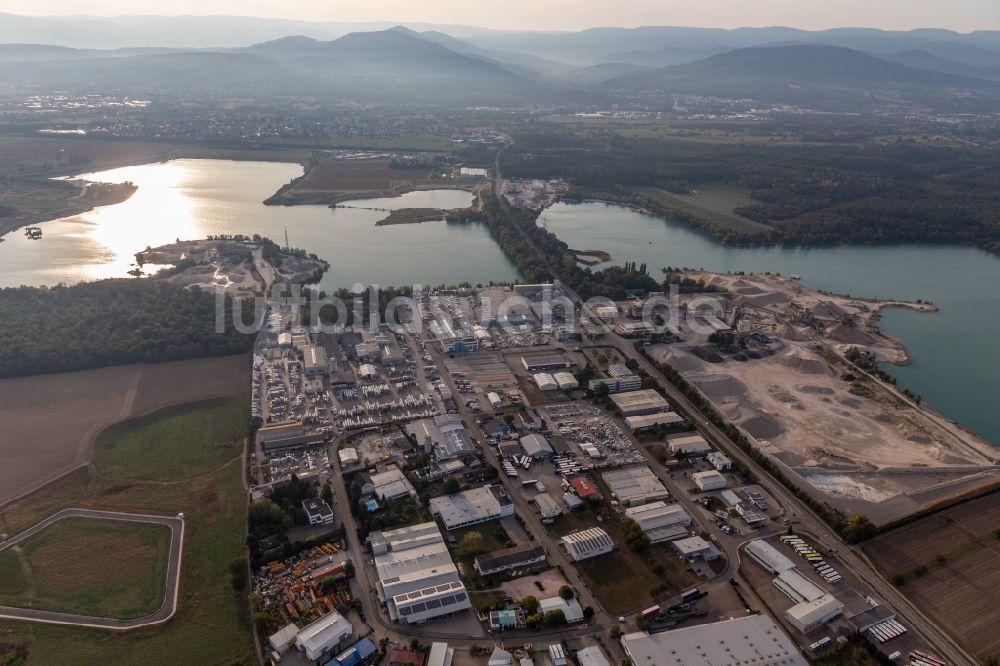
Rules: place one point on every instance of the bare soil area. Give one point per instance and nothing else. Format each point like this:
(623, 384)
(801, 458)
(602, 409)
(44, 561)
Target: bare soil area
(50, 421)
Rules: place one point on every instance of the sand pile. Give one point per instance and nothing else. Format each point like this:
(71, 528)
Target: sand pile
(793, 333)
(853, 335)
(805, 362)
(827, 310)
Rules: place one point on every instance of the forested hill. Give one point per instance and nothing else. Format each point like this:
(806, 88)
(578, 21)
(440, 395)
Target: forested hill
(111, 322)
(807, 194)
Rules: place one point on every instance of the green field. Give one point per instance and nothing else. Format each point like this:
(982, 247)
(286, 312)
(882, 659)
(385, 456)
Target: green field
(65, 568)
(211, 625)
(174, 443)
(712, 205)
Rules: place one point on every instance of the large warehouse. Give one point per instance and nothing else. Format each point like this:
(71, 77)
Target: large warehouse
(472, 507)
(417, 580)
(693, 446)
(648, 421)
(660, 521)
(323, 636)
(535, 364)
(536, 446)
(444, 435)
(587, 543)
(710, 480)
(755, 640)
(768, 557)
(639, 403)
(809, 614)
(635, 485)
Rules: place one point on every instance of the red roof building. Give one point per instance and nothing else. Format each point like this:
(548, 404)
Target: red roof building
(400, 657)
(583, 486)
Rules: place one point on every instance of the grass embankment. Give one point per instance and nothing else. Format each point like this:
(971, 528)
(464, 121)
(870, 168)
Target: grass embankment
(89, 567)
(174, 469)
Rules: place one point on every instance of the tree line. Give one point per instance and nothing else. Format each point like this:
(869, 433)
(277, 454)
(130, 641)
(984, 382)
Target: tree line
(110, 322)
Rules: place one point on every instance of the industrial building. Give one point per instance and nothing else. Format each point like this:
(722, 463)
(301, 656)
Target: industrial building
(797, 587)
(768, 557)
(314, 361)
(494, 399)
(286, 436)
(696, 547)
(638, 403)
(635, 485)
(547, 506)
(323, 636)
(506, 560)
(587, 543)
(391, 484)
(417, 579)
(592, 656)
(583, 486)
(317, 511)
(660, 521)
(570, 608)
(440, 654)
(536, 446)
(471, 507)
(445, 436)
(755, 640)
(692, 446)
(284, 638)
(534, 364)
(710, 480)
(566, 381)
(616, 384)
(719, 461)
(348, 456)
(545, 382)
(810, 614)
(649, 421)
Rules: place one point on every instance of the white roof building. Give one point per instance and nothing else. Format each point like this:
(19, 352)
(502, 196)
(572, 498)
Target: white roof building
(592, 656)
(417, 579)
(536, 446)
(570, 608)
(719, 461)
(392, 483)
(695, 547)
(367, 371)
(646, 421)
(324, 635)
(638, 403)
(797, 587)
(588, 543)
(545, 381)
(755, 640)
(711, 480)
(547, 506)
(348, 456)
(660, 521)
(566, 381)
(471, 507)
(282, 639)
(690, 445)
(808, 614)
(635, 485)
(768, 556)
(440, 654)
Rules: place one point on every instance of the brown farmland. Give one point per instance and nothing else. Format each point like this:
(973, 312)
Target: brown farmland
(960, 590)
(336, 180)
(50, 421)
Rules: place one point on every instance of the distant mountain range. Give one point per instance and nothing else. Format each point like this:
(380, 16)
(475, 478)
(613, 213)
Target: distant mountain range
(832, 69)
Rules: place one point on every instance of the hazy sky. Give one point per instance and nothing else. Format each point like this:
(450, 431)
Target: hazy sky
(963, 15)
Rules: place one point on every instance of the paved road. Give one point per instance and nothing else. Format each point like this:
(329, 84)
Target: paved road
(161, 615)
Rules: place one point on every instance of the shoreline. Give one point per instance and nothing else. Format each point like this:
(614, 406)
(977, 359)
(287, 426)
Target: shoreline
(92, 194)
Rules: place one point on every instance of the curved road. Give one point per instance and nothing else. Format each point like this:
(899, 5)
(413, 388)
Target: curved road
(161, 615)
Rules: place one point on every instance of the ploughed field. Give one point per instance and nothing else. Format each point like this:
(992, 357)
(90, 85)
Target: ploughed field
(949, 565)
(338, 179)
(50, 421)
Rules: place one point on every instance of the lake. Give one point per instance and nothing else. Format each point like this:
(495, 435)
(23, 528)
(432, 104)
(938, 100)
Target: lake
(186, 199)
(954, 366)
